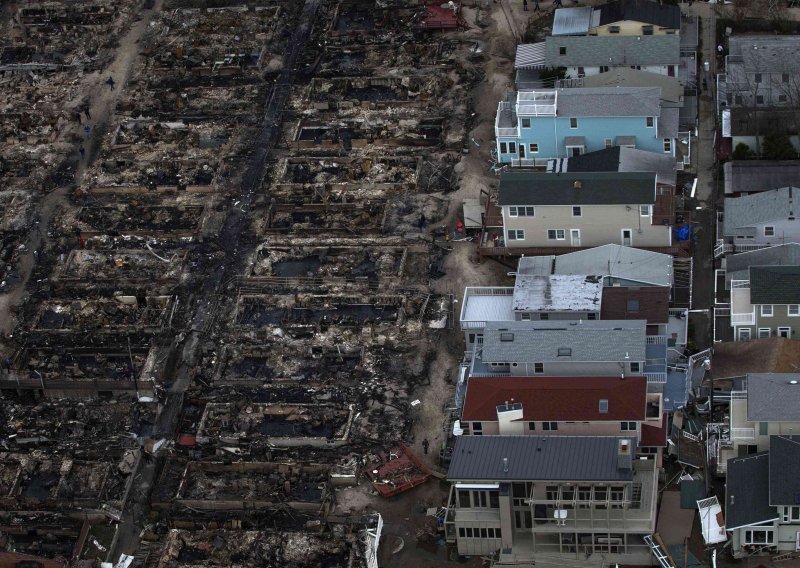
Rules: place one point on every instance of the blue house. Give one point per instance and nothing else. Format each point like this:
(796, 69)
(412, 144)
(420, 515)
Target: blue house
(532, 127)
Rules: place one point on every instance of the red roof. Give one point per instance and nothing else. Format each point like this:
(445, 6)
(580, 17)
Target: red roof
(558, 399)
(655, 436)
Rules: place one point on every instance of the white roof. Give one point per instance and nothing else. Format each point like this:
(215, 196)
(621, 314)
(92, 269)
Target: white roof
(487, 307)
(711, 520)
(621, 262)
(558, 292)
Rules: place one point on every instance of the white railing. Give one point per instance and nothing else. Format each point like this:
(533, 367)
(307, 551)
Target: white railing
(721, 248)
(656, 340)
(488, 291)
(744, 319)
(656, 378)
(526, 162)
(743, 434)
(739, 395)
(740, 284)
(536, 103)
(504, 106)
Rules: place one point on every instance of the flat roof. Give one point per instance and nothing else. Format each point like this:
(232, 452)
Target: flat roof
(557, 292)
(626, 263)
(487, 307)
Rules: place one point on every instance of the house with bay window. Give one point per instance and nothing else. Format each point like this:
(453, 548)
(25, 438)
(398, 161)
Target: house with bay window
(762, 500)
(533, 126)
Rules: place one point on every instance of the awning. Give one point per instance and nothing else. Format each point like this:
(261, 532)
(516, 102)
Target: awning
(529, 55)
(477, 486)
(712, 522)
(726, 123)
(575, 141)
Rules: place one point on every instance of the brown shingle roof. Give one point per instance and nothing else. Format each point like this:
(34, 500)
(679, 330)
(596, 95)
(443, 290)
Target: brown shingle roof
(653, 304)
(557, 398)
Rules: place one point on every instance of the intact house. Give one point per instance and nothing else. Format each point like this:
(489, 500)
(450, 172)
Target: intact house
(743, 177)
(765, 405)
(533, 126)
(766, 303)
(750, 125)
(536, 497)
(762, 500)
(625, 18)
(757, 221)
(621, 159)
(578, 210)
(760, 71)
(566, 406)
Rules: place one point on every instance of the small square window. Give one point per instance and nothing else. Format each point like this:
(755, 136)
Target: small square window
(534, 148)
(526, 123)
(636, 367)
(764, 332)
(573, 123)
(603, 406)
(766, 310)
(769, 231)
(477, 426)
(784, 77)
(544, 316)
(644, 210)
(633, 306)
(650, 122)
(613, 29)
(759, 99)
(758, 78)
(647, 30)
(591, 316)
(782, 98)
(793, 310)
(531, 426)
(576, 211)
(538, 368)
(628, 426)
(562, 50)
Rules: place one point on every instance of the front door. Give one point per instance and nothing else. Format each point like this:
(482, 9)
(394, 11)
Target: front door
(785, 332)
(575, 237)
(522, 151)
(627, 237)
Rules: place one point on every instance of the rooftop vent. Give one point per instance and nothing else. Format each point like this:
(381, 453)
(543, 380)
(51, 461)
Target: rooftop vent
(577, 184)
(505, 465)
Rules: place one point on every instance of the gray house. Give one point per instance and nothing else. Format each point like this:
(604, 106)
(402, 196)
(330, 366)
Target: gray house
(753, 176)
(767, 303)
(621, 159)
(759, 220)
(533, 498)
(762, 505)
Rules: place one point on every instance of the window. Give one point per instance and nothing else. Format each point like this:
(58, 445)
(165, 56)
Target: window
(784, 78)
(759, 99)
(584, 493)
(758, 78)
(526, 123)
(531, 426)
(769, 231)
(636, 367)
(538, 368)
(604, 69)
(644, 210)
(790, 514)
(647, 30)
(738, 99)
(793, 310)
(483, 533)
(462, 532)
(573, 123)
(650, 121)
(785, 332)
(609, 143)
(567, 492)
(516, 235)
(744, 334)
(463, 499)
(562, 50)
(591, 316)
(520, 211)
(766, 310)
(600, 493)
(613, 29)
(544, 316)
(763, 428)
(603, 406)
(551, 492)
(581, 72)
(480, 500)
(633, 306)
(556, 234)
(617, 493)
(469, 532)
(763, 537)
(506, 336)
(667, 145)
(565, 352)
(503, 148)
(526, 317)
(576, 211)
(764, 332)
(627, 426)
(512, 147)
(534, 148)
(782, 98)
(549, 426)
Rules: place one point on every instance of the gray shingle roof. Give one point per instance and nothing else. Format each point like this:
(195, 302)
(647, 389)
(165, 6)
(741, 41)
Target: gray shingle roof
(775, 284)
(537, 458)
(767, 54)
(784, 470)
(742, 214)
(760, 175)
(747, 492)
(612, 50)
(609, 101)
(668, 122)
(540, 341)
(772, 397)
(623, 159)
(737, 266)
(661, 15)
(621, 262)
(603, 188)
(671, 88)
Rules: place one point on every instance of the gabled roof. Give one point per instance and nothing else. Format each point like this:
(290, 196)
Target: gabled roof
(671, 88)
(766, 54)
(747, 492)
(625, 263)
(760, 175)
(540, 341)
(775, 284)
(557, 292)
(784, 470)
(612, 50)
(737, 266)
(772, 397)
(557, 398)
(609, 102)
(645, 11)
(537, 458)
(603, 188)
(744, 214)
(623, 159)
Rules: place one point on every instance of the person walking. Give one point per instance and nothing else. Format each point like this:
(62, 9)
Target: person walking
(82, 150)
(557, 4)
(87, 130)
(525, 5)
(536, 7)
(86, 112)
(425, 445)
(110, 82)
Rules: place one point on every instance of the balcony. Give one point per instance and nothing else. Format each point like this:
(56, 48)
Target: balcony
(744, 319)
(537, 103)
(743, 434)
(506, 123)
(485, 303)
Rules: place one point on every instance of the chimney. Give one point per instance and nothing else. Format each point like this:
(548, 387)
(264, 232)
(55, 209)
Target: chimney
(624, 454)
(577, 184)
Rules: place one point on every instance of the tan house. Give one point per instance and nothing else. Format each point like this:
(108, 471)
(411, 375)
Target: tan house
(578, 210)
